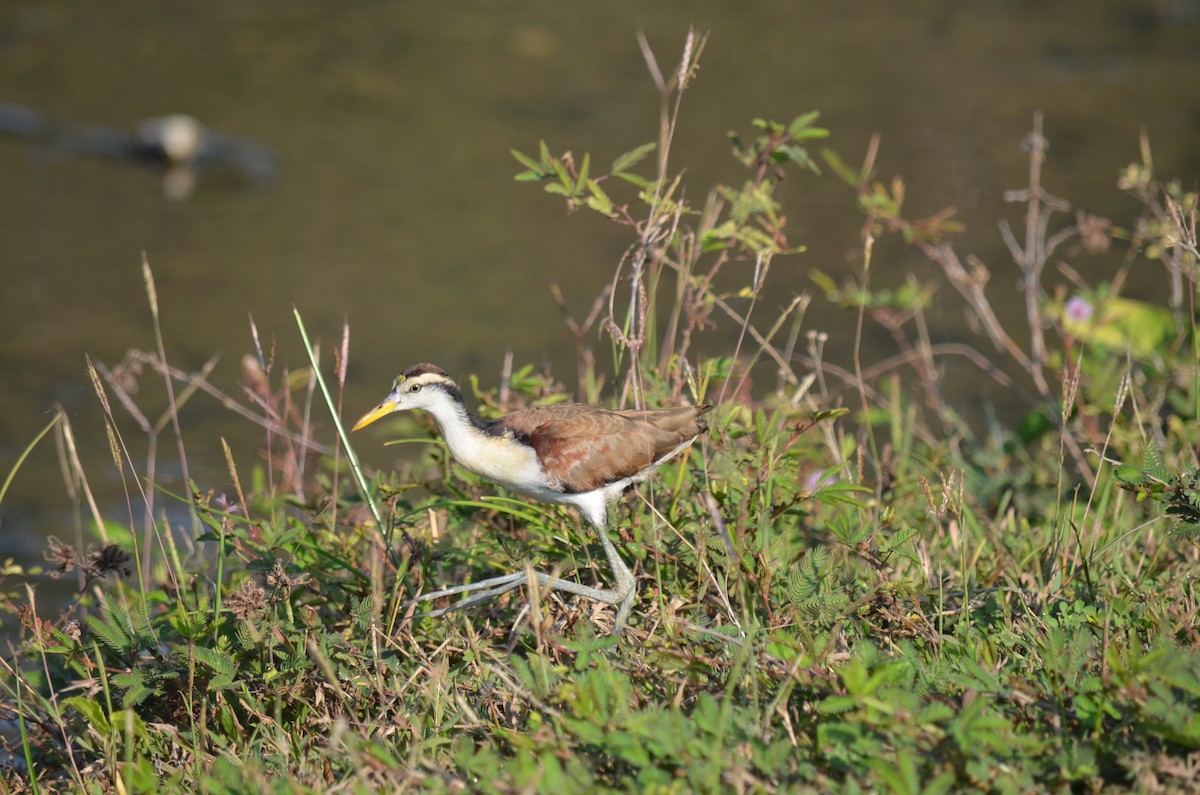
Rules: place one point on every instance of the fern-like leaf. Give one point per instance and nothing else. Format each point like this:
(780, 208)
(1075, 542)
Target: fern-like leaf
(114, 627)
(136, 689)
(218, 661)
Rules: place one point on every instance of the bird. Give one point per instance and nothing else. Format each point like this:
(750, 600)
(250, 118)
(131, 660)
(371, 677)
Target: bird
(568, 453)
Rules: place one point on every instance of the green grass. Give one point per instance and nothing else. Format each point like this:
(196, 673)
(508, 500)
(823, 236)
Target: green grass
(847, 586)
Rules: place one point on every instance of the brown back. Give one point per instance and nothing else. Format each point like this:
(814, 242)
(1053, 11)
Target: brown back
(584, 447)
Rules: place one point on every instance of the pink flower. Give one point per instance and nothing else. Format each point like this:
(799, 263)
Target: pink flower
(1079, 309)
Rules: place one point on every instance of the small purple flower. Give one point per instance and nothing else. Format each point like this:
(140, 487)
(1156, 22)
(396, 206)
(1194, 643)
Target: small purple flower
(818, 479)
(224, 504)
(1079, 309)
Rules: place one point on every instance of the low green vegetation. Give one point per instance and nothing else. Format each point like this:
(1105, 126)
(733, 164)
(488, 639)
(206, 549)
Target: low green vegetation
(849, 585)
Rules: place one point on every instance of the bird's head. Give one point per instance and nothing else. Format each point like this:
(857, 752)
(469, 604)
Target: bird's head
(422, 386)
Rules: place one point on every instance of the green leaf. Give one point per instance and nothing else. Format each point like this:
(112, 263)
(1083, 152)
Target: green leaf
(1129, 475)
(221, 682)
(629, 748)
(363, 612)
(839, 167)
(134, 683)
(632, 157)
(599, 200)
(839, 493)
(586, 166)
(633, 179)
(1152, 464)
(718, 237)
(92, 712)
(114, 628)
(218, 661)
(526, 161)
(801, 128)
(837, 704)
(563, 176)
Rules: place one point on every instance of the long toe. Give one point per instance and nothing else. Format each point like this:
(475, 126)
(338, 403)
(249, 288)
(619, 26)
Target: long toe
(623, 610)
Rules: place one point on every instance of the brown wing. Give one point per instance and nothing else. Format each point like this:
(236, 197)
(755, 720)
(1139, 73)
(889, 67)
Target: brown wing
(584, 447)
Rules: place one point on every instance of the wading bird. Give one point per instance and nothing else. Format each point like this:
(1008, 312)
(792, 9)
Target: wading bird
(570, 454)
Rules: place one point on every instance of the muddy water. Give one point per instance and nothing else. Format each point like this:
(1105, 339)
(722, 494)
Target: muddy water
(393, 204)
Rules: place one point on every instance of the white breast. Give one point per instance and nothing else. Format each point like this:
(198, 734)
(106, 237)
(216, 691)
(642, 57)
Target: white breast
(501, 460)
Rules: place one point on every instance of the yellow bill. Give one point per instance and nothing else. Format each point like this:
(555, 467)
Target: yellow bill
(382, 410)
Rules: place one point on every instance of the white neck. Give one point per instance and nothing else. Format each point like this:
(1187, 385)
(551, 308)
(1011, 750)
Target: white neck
(501, 460)
(460, 433)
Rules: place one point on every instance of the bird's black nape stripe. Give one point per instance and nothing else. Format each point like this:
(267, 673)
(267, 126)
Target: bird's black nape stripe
(451, 389)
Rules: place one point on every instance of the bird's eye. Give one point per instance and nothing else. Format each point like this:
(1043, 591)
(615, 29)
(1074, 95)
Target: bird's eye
(415, 388)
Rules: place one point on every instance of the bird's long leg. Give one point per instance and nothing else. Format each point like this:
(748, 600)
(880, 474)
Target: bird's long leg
(622, 596)
(498, 585)
(626, 588)
(490, 587)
